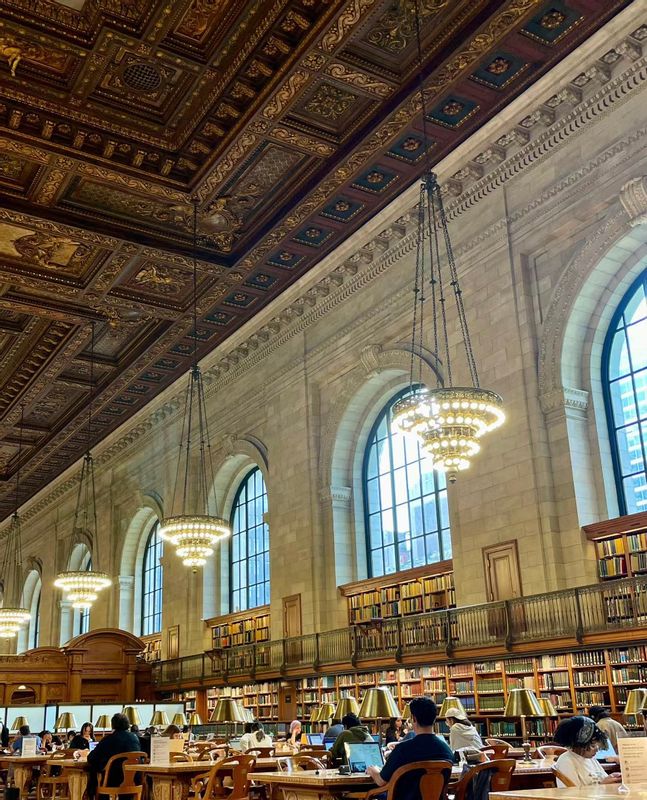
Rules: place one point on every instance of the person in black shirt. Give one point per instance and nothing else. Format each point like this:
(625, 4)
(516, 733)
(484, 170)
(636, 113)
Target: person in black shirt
(121, 740)
(82, 740)
(425, 746)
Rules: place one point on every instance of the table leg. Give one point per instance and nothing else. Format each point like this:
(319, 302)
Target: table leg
(78, 781)
(170, 787)
(22, 776)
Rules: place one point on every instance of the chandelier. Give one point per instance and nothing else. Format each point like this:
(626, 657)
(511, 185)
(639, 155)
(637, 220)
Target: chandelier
(12, 617)
(82, 587)
(194, 531)
(448, 420)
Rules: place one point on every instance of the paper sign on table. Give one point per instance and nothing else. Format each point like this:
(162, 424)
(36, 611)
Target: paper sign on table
(160, 749)
(28, 746)
(633, 760)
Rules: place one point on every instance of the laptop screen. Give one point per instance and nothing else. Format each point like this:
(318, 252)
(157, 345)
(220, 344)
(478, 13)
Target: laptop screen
(315, 738)
(328, 745)
(361, 755)
(602, 755)
(93, 745)
(377, 737)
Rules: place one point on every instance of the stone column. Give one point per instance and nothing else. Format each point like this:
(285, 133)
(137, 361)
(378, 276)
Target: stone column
(67, 621)
(126, 600)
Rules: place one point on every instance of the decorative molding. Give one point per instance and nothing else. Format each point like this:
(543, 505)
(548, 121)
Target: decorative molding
(338, 496)
(633, 197)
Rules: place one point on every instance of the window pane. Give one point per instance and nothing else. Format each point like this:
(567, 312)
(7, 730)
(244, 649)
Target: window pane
(619, 358)
(623, 400)
(396, 536)
(637, 335)
(630, 450)
(250, 561)
(152, 580)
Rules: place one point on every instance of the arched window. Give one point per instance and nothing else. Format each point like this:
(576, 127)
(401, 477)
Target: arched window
(152, 578)
(624, 371)
(29, 636)
(35, 629)
(250, 545)
(405, 502)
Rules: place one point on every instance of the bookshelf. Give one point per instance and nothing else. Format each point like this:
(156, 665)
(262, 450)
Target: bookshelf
(247, 627)
(620, 546)
(261, 698)
(415, 591)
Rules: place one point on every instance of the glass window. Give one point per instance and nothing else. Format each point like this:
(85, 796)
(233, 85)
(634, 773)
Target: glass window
(152, 579)
(250, 545)
(83, 616)
(35, 630)
(624, 371)
(405, 501)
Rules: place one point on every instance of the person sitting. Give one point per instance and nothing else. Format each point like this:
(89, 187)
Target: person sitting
(583, 739)
(255, 738)
(121, 740)
(461, 731)
(394, 731)
(425, 746)
(333, 731)
(353, 731)
(295, 733)
(605, 722)
(46, 741)
(172, 732)
(82, 740)
(24, 732)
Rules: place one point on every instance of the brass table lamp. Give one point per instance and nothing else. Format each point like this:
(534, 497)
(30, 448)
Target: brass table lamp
(523, 703)
(19, 722)
(451, 704)
(346, 705)
(103, 723)
(637, 704)
(132, 715)
(179, 720)
(227, 710)
(547, 707)
(65, 722)
(378, 704)
(406, 711)
(194, 719)
(159, 719)
(326, 711)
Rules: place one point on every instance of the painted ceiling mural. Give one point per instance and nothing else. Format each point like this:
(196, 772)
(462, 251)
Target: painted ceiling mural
(291, 122)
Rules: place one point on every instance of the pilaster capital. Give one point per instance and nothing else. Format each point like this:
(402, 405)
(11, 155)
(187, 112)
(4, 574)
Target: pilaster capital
(633, 197)
(338, 496)
(126, 581)
(564, 401)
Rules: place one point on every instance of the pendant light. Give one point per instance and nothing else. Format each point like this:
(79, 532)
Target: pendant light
(12, 617)
(448, 420)
(192, 529)
(81, 587)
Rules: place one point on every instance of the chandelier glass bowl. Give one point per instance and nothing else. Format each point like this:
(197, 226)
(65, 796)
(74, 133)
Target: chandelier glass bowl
(82, 588)
(194, 537)
(12, 620)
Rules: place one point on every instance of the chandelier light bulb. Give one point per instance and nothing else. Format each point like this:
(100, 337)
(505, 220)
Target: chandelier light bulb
(12, 620)
(82, 588)
(194, 536)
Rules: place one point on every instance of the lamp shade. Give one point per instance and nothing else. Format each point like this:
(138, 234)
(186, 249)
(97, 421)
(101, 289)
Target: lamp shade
(195, 718)
(179, 720)
(451, 704)
(406, 711)
(547, 707)
(314, 715)
(132, 715)
(522, 703)
(65, 722)
(636, 701)
(346, 705)
(326, 711)
(378, 703)
(159, 718)
(103, 723)
(18, 723)
(227, 710)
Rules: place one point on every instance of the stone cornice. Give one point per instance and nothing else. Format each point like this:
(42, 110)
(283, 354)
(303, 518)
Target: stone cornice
(531, 136)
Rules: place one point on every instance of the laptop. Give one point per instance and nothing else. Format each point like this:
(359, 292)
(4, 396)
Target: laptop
(609, 751)
(234, 744)
(315, 738)
(377, 737)
(361, 755)
(328, 745)
(93, 745)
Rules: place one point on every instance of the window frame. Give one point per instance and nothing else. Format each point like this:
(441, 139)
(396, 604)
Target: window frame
(249, 476)
(386, 412)
(35, 632)
(83, 620)
(157, 572)
(612, 429)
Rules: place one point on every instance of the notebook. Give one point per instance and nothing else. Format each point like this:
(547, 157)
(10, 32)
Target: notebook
(361, 755)
(602, 755)
(315, 738)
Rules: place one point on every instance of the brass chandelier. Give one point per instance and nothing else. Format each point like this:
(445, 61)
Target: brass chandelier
(12, 616)
(193, 530)
(82, 587)
(448, 420)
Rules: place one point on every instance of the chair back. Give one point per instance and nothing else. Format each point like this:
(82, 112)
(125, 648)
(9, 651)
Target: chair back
(433, 779)
(237, 768)
(179, 757)
(261, 752)
(491, 742)
(563, 779)
(321, 755)
(114, 775)
(550, 751)
(499, 773)
(494, 751)
(213, 754)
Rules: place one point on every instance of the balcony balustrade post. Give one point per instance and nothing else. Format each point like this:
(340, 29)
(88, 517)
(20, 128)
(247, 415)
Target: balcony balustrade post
(317, 661)
(579, 625)
(509, 636)
(354, 645)
(449, 644)
(285, 657)
(398, 649)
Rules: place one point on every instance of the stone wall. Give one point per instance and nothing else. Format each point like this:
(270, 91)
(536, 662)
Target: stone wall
(543, 232)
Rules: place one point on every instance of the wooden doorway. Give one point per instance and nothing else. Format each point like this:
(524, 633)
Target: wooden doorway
(292, 628)
(502, 575)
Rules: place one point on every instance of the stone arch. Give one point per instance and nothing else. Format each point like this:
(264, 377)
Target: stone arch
(570, 359)
(381, 374)
(238, 456)
(30, 600)
(132, 557)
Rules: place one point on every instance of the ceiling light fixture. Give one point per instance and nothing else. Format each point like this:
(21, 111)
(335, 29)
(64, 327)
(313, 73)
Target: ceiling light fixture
(449, 421)
(192, 529)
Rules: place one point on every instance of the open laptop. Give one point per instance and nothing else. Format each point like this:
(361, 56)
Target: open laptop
(361, 755)
(93, 745)
(608, 751)
(315, 738)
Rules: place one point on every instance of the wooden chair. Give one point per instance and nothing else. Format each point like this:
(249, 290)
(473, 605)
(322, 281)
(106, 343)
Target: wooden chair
(298, 762)
(179, 757)
(564, 779)
(494, 751)
(128, 785)
(261, 752)
(492, 742)
(213, 754)
(550, 751)
(210, 786)
(52, 781)
(434, 777)
(499, 780)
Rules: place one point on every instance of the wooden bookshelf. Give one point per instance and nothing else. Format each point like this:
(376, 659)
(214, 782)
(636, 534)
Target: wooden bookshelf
(261, 698)
(620, 546)
(245, 627)
(413, 591)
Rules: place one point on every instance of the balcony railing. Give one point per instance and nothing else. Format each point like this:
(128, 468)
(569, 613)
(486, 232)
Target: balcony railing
(573, 613)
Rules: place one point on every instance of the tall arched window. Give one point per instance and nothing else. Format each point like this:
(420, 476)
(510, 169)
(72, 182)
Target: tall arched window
(152, 579)
(250, 545)
(405, 502)
(35, 630)
(624, 370)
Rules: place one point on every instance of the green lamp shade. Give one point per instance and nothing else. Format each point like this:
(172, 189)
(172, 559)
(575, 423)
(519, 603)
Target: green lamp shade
(522, 703)
(378, 703)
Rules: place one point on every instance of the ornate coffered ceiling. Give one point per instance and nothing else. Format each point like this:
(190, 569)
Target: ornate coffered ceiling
(290, 121)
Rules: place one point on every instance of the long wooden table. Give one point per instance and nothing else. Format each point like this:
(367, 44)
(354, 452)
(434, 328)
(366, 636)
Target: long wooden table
(23, 767)
(605, 790)
(325, 784)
